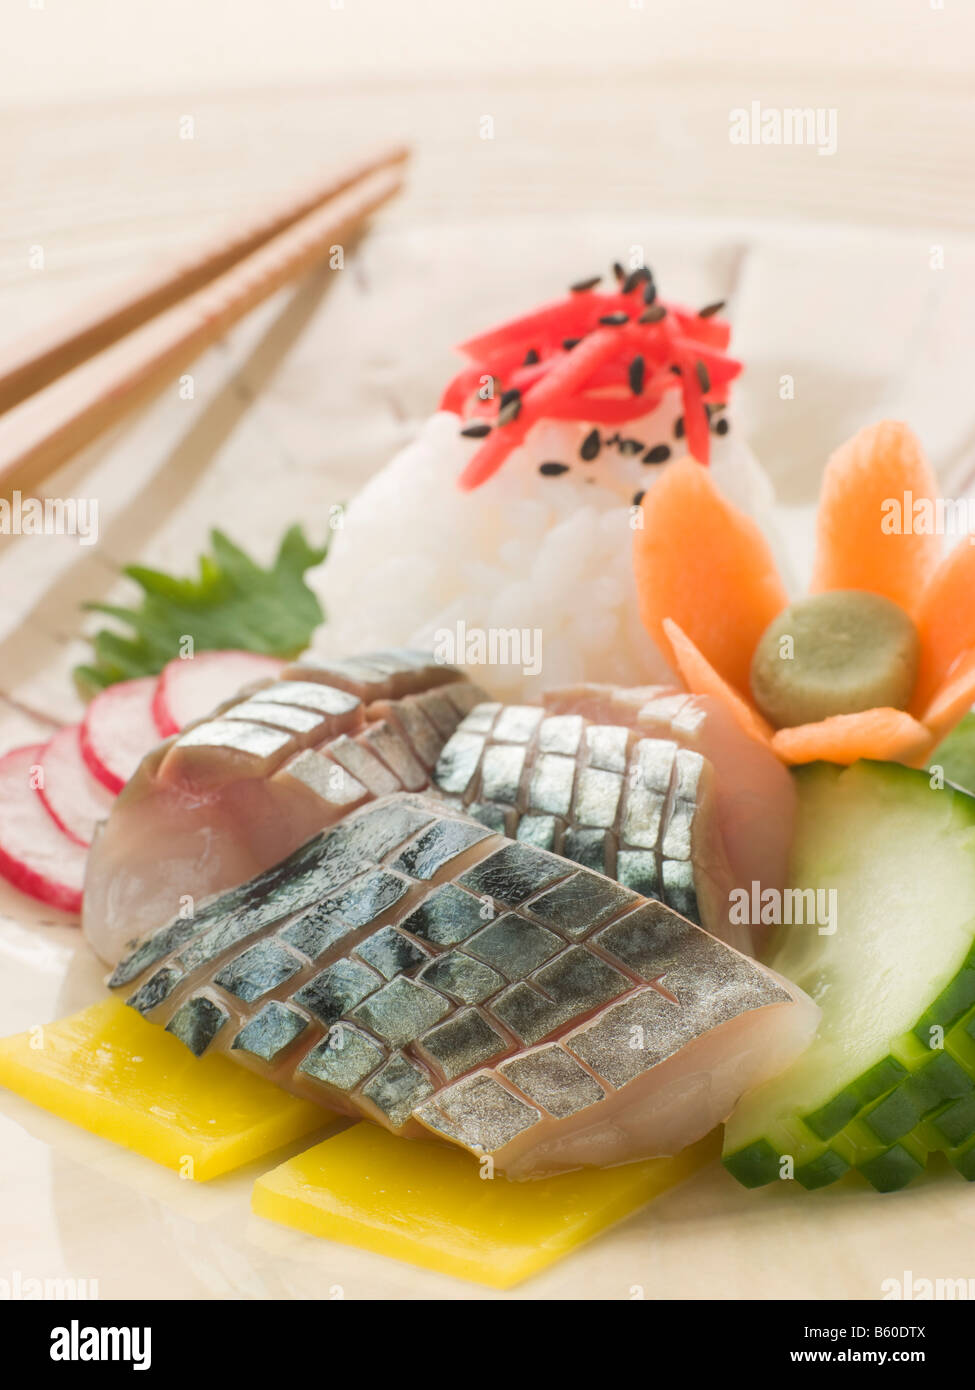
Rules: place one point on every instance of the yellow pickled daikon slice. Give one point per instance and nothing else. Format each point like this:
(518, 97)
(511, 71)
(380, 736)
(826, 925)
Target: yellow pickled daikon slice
(110, 1071)
(428, 1204)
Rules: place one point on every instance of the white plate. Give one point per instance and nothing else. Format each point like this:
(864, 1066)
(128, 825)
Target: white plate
(308, 397)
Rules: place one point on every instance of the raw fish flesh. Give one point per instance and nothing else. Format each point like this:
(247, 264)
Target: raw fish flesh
(237, 792)
(413, 967)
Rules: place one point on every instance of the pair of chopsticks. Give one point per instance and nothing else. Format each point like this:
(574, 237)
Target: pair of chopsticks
(62, 387)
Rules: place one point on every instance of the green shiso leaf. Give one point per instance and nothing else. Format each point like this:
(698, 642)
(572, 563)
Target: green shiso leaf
(232, 603)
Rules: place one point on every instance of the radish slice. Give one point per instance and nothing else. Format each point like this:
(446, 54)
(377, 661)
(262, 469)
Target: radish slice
(119, 730)
(191, 688)
(35, 856)
(75, 799)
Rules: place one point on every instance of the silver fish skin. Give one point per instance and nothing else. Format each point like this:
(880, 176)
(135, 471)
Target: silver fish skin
(235, 793)
(641, 809)
(412, 967)
(754, 794)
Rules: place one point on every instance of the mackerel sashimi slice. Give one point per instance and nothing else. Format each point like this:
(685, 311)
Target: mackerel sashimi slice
(236, 792)
(754, 794)
(620, 782)
(412, 967)
(36, 856)
(190, 688)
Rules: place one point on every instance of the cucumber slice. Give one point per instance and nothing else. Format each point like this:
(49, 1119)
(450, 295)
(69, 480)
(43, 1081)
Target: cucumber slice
(932, 1107)
(894, 1059)
(963, 1158)
(956, 755)
(953, 1124)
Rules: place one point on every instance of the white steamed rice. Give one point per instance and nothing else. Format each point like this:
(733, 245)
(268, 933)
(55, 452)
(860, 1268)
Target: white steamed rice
(549, 557)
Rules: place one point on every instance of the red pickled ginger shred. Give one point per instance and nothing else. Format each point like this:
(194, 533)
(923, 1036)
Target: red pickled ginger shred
(604, 358)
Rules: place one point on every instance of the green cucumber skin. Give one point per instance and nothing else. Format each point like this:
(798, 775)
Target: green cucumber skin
(893, 1116)
(951, 1004)
(761, 1164)
(838, 1112)
(917, 1099)
(827, 1168)
(955, 1123)
(933, 1107)
(755, 1166)
(942, 1079)
(913, 1099)
(963, 1160)
(891, 1170)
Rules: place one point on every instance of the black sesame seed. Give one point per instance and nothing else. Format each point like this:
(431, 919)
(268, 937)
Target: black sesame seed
(638, 497)
(508, 396)
(613, 439)
(660, 453)
(618, 271)
(590, 446)
(531, 357)
(476, 431)
(649, 290)
(630, 446)
(637, 373)
(581, 286)
(679, 427)
(702, 375)
(722, 426)
(675, 369)
(710, 310)
(570, 343)
(614, 320)
(635, 277)
(552, 470)
(653, 315)
(509, 412)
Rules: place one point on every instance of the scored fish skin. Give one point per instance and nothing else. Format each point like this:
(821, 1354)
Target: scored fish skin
(413, 967)
(234, 793)
(755, 795)
(642, 810)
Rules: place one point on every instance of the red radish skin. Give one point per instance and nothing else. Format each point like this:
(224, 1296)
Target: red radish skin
(72, 796)
(190, 688)
(35, 855)
(119, 730)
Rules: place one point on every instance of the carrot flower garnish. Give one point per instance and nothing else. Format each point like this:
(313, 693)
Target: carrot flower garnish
(709, 589)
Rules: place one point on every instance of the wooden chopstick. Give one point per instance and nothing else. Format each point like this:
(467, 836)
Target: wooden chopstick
(41, 433)
(36, 359)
